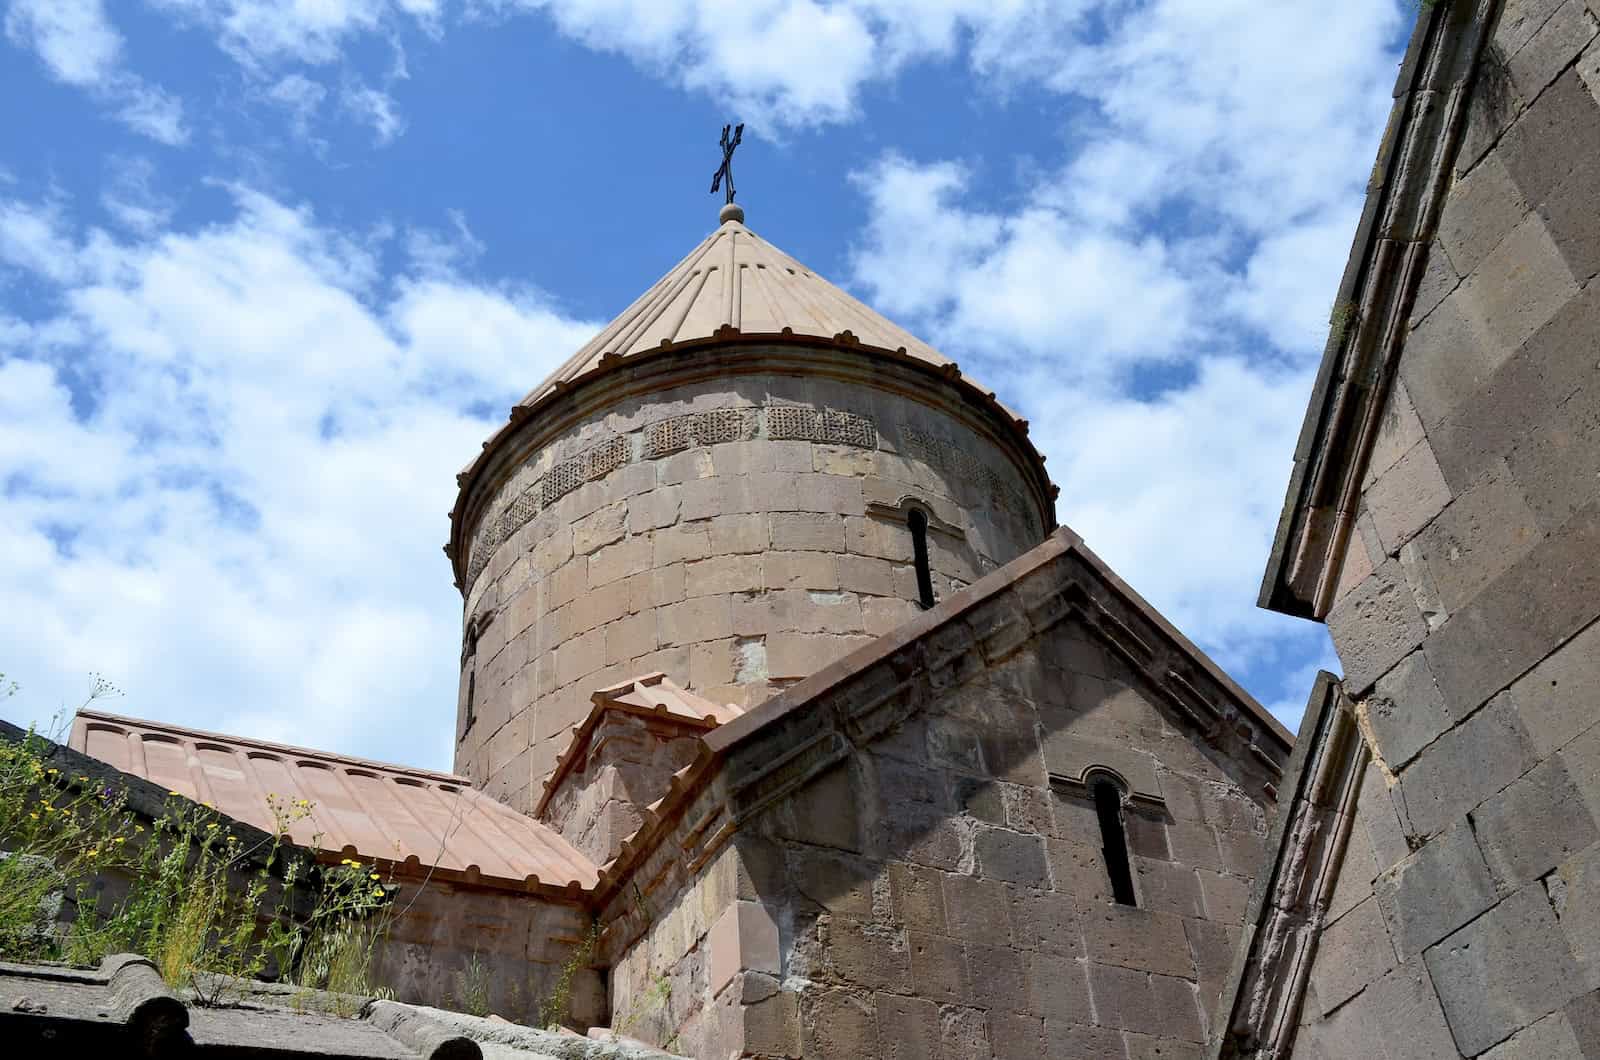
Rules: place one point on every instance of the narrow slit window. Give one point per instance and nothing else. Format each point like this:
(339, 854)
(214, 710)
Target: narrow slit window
(918, 522)
(1114, 841)
(472, 680)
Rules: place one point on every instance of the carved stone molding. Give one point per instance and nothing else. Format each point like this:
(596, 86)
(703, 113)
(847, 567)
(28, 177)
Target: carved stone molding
(1290, 904)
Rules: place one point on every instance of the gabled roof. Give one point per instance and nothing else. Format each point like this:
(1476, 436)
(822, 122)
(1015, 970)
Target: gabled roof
(736, 280)
(358, 808)
(651, 695)
(1058, 579)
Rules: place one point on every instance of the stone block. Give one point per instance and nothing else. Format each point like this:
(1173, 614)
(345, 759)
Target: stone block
(1152, 1047)
(800, 570)
(835, 494)
(1405, 712)
(722, 574)
(1164, 887)
(908, 1028)
(655, 588)
(868, 955)
(1016, 1037)
(997, 977)
(1376, 626)
(882, 614)
(1533, 825)
(1445, 359)
(1121, 996)
(1503, 971)
(1486, 529)
(838, 1023)
(1439, 278)
(827, 811)
(1047, 922)
(1519, 21)
(836, 882)
(1549, 1039)
(964, 1033)
(866, 575)
(600, 527)
(1404, 1008)
(1014, 857)
(1353, 952)
(1068, 1041)
(1552, 49)
(568, 583)
(1078, 869)
(580, 656)
(1554, 136)
(1398, 432)
(744, 938)
(1406, 497)
(1556, 700)
(1575, 895)
(617, 561)
(701, 618)
(807, 532)
(1130, 937)
(1056, 989)
(802, 654)
(1518, 287)
(1434, 891)
(939, 967)
(1227, 898)
(684, 467)
(681, 543)
(1463, 767)
(738, 533)
(1516, 620)
(1482, 209)
(918, 896)
(1570, 216)
(922, 834)
(1213, 946)
(878, 538)
(977, 910)
(630, 637)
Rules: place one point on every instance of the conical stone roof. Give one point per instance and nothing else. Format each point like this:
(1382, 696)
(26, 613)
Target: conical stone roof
(735, 282)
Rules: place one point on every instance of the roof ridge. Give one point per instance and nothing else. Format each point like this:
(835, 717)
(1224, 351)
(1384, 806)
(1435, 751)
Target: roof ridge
(269, 745)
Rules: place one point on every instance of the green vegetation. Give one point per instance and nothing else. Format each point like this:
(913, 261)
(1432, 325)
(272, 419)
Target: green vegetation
(82, 875)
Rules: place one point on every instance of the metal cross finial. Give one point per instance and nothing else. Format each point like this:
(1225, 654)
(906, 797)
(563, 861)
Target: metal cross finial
(726, 169)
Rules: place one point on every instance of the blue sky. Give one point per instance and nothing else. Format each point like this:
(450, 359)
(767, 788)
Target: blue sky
(271, 269)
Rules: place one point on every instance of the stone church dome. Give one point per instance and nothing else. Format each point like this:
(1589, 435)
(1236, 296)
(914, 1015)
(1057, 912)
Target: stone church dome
(743, 477)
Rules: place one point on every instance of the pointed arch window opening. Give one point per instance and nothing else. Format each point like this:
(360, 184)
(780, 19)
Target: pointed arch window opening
(917, 522)
(1114, 839)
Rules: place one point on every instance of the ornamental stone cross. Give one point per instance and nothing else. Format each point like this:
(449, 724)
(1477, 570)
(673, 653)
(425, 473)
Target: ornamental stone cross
(725, 171)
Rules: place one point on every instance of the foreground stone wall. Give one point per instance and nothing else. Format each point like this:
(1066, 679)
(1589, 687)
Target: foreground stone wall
(1466, 915)
(480, 950)
(738, 532)
(913, 869)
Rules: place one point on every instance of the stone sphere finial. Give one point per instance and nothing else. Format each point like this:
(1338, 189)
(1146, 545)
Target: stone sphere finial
(731, 212)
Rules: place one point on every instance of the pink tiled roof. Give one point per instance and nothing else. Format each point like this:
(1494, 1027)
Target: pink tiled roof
(358, 808)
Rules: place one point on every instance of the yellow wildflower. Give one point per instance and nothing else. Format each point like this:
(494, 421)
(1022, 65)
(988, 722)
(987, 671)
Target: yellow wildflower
(374, 876)
(174, 793)
(33, 817)
(212, 827)
(94, 851)
(120, 839)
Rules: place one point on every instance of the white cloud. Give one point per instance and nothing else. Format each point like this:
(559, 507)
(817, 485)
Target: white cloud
(80, 47)
(130, 195)
(227, 463)
(374, 108)
(261, 33)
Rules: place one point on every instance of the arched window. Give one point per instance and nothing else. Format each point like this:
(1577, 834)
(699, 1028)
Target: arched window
(472, 678)
(917, 520)
(1113, 840)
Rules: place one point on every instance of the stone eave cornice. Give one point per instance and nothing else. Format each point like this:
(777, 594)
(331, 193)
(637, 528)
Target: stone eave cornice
(1370, 316)
(565, 403)
(1290, 899)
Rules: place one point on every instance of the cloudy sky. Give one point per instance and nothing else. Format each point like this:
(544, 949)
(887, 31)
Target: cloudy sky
(271, 269)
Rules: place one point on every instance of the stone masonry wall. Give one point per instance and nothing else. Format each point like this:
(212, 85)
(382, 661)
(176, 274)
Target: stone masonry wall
(737, 533)
(479, 950)
(939, 890)
(1466, 916)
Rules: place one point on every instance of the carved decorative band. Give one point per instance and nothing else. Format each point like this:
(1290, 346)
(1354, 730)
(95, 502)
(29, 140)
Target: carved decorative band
(936, 452)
